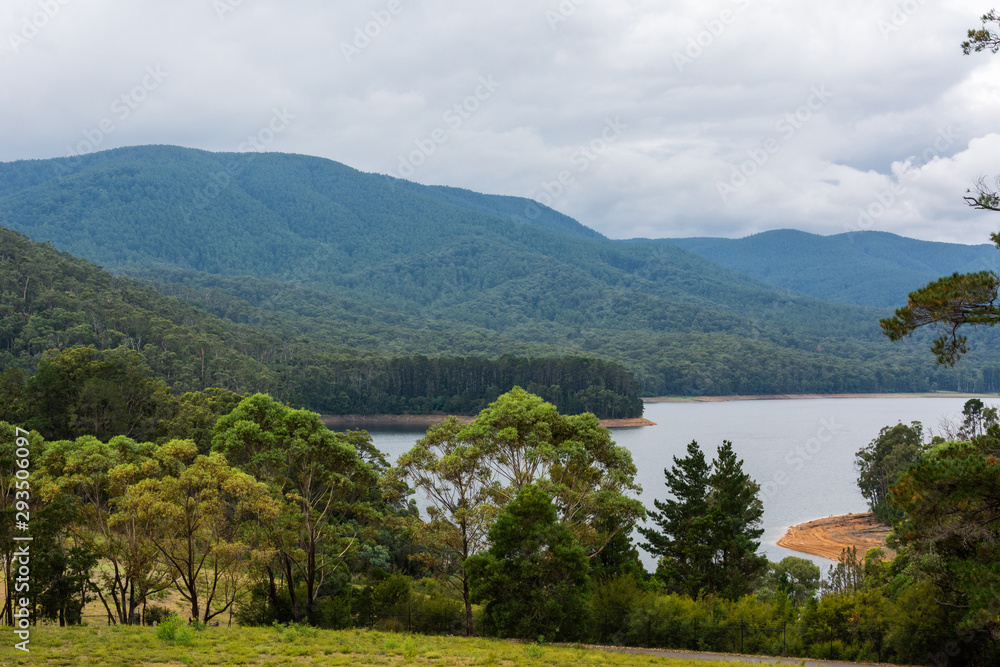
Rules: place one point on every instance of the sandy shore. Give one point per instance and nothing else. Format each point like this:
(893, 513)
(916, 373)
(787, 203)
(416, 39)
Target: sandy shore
(828, 537)
(341, 422)
(775, 397)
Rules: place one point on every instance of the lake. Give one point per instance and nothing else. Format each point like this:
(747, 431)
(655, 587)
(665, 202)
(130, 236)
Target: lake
(801, 451)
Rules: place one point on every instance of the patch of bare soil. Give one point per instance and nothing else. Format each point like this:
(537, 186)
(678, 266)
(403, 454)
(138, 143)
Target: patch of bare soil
(828, 537)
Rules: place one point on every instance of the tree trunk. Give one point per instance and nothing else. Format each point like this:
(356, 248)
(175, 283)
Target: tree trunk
(468, 606)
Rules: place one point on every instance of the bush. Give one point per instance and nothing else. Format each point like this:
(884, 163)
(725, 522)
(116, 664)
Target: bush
(156, 614)
(173, 629)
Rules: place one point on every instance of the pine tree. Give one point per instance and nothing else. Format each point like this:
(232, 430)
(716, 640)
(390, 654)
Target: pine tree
(682, 525)
(707, 536)
(736, 513)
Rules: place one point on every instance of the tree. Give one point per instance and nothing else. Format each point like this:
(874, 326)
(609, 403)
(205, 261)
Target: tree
(680, 538)
(960, 299)
(797, 578)
(534, 577)
(81, 391)
(880, 463)
(951, 528)
(317, 471)
(736, 514)
(524, 440)
(205, 522)
(708, 535)
(455, 478)
(96, 475)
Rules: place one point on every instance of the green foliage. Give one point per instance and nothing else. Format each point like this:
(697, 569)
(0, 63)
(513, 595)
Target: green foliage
(534, 578)
(951, 527)
(865, 268)
(301, 248)
(795, 579)
(173, 629)
(682, 525)
(881, 462)
(982, 39)
(707, 536)
(522, 439)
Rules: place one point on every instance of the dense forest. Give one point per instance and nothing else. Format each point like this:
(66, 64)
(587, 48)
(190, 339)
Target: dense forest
(864, 268)
(292, 248)
(51, 303)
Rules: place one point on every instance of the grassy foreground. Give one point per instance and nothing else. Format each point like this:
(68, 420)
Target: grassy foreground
(120, 646)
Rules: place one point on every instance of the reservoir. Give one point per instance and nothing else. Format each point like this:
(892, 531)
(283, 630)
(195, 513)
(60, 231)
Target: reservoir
(801, 451)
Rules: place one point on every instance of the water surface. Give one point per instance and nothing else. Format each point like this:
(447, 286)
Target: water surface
(801, 451)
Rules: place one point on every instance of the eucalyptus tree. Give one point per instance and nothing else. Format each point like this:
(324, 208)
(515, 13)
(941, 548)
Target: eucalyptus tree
(205, 522)
(523, 440)
(456, 481)
(97, 474)
(317, 472)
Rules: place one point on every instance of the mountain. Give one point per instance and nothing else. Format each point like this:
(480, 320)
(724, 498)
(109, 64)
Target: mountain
(54, 301)
(864, 268)
(307, 247)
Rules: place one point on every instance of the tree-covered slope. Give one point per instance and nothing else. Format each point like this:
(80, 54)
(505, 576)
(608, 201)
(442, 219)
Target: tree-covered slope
(308, 248)
(52, 301)
(862, 268)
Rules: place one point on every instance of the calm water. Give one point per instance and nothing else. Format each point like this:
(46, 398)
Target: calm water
(800, 451)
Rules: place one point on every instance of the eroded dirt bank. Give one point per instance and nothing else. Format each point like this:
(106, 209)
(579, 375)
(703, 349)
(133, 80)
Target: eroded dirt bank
(828, 537)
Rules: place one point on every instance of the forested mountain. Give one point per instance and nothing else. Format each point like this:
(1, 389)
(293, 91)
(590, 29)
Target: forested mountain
(305, 248)
(863, 268)
(54, 301)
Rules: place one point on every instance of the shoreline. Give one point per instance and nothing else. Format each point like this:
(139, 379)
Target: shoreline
(404, 422)
(829, 536)
(786, 397)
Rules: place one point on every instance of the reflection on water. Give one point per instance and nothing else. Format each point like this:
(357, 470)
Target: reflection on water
(800, 451)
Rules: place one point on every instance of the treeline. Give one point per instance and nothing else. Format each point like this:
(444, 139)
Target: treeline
(424, 385)
(53, 301)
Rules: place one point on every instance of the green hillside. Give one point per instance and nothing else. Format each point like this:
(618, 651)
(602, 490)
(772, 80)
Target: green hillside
(54, 301)
(863, 268)
(307, 247)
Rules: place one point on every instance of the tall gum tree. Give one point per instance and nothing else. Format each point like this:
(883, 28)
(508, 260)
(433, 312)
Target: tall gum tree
(315, 470)
(524, 440)
(454, 477)
(205, 522)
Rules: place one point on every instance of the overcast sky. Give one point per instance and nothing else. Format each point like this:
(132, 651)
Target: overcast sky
(636, 117)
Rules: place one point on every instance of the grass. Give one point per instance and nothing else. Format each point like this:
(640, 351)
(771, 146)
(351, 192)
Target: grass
(125, 646)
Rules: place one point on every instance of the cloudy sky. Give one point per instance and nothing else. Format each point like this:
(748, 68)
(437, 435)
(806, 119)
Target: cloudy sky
(646, 118)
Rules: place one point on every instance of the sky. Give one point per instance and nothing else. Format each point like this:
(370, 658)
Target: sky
(639, 118)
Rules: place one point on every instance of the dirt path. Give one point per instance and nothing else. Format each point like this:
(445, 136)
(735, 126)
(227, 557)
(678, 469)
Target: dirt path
(828, 537)
(728, 657)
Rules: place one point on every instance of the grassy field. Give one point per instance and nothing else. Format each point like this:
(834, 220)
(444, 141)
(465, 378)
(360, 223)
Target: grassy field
(121, 646)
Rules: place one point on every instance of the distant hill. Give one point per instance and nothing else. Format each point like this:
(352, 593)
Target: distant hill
(863, 268)
(308, 247)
